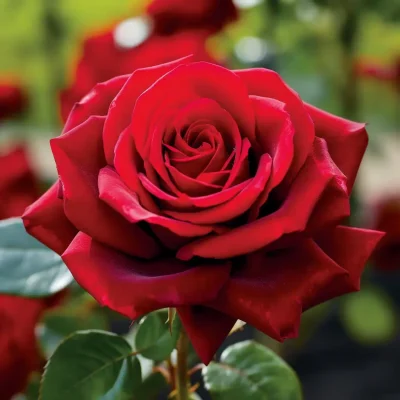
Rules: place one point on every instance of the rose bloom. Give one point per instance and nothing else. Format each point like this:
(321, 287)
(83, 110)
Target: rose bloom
(19, 316)
(20, 355)
(18, 184)
(103, 59)
(214, 191)
(373, 70)
(386, 257)
(175, 15)
(12, 100)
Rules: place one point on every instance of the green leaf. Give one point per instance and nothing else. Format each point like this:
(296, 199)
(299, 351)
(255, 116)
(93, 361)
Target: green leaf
(91, 365)
(369, 316)
(153, 339)
(151, 387)
(250, 371)
(28, 268)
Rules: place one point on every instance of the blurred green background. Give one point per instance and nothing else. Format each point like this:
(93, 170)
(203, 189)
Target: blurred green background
(39, 41)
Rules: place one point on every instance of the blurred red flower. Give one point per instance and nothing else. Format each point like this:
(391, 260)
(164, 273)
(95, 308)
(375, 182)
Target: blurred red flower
(12, 100)
(18, 184)
(19, 355)
(390, 73)
(103, 59)
(175, 15)
(387, 219)
(217, 192)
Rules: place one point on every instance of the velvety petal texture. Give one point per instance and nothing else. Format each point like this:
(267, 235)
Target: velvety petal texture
(216, 192)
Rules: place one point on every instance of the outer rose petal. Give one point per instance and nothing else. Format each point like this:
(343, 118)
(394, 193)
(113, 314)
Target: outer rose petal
(79, 173)
(207, 329)
(135, 287)
(271, 290)
(292, 216)
(347, 141)
(46, 221)
(350, 248)
(334, 205)
(96, 102)
(120, 112)
(115, 193)
(267, 83)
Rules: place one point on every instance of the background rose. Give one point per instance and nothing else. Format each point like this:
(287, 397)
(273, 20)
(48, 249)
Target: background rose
(188, 185)
(19, 316)
(103, 59)
(173, 15)
(20, 355)
(387, 219)
(12, 100)
(18, 185)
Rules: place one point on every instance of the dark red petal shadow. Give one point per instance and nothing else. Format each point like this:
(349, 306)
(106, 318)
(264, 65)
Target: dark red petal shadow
(270, 291)
(207, 329)
(135, 287)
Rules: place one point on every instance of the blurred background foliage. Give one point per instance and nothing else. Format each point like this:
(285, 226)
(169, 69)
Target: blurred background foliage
(40, 43)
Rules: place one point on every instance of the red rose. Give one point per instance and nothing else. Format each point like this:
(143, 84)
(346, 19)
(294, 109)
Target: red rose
(102, 59)
(18, 346)
(175, 15)
(18, 316)
(379, 72)
(387, 219)
(12, 100)
(214, 191)
(18, 185)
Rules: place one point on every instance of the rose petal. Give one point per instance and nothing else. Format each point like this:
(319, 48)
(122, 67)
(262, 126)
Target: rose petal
(270, 291)
(210, 112)
(189, 186)
(114, 192)
(96, 102)
(121, 108)
(135, 287)
(78, 172)
(230, 209)
(192, 166)
(275, 132)
(46, 221)
(350, 248)
(292, 216)
(267, 83)
(347, 141)
(196, 80)
(334, 205)
(126, 161)
(206, 328)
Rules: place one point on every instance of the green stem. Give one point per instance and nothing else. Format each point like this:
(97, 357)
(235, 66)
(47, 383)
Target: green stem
(182, 376)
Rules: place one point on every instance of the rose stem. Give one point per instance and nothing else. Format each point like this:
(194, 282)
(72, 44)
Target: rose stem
(182, 376)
